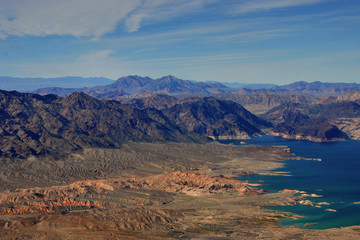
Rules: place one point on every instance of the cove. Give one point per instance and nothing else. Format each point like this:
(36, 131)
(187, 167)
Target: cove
(336, 178)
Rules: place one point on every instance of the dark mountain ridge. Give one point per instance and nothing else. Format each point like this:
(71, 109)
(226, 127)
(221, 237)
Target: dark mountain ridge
(49, 125)
(319, 122)
(297, 125)
(219, 119)
(32, 124)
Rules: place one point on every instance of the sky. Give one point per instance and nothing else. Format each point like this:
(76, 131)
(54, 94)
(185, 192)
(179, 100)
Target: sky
(245, 41)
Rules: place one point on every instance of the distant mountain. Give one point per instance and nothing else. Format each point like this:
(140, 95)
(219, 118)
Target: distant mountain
(317, 88)
(32, 124)
(248, 85)
(30, 84)
(166, 85)
(63, 92)
(261, 102)
(137, 87)
(219, 119)
(126, 88)
(302, 85)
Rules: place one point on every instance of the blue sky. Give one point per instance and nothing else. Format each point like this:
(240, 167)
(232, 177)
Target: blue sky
(247, 41)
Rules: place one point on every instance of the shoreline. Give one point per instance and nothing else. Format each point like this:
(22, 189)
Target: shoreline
(305, 174)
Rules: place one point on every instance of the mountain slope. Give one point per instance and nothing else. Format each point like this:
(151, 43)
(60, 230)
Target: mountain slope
(350, 96)
(297, 125)
(215, 118)
(38, 125)
(158, 101)
(317, 88)
(310, 122)
(259, 103)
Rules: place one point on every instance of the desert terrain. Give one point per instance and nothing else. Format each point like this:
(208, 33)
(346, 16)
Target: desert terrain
(150, 191)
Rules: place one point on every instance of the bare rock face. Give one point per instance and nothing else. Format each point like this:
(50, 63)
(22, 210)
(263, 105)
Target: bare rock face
(215, 118)
(38, 125)
(292, 121)
(350, 96)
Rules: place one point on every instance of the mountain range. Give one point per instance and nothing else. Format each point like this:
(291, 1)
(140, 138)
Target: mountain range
(39, 125)
(136, 87)
(180, 107)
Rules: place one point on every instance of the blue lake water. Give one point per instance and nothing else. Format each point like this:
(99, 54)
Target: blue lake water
(336, 178)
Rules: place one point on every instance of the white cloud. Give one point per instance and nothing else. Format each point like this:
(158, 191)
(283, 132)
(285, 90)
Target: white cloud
(156, 10)
(264, 5)
(97, 55)
(90, 18)
(67, 17)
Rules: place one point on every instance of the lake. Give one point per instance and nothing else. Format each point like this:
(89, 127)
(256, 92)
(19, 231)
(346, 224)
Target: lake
(336, 178)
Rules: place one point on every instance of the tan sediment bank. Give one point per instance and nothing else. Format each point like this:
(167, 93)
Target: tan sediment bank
(150, 191)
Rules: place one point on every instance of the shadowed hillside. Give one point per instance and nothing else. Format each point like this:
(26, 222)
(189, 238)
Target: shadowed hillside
(219, 119)
(37, 125)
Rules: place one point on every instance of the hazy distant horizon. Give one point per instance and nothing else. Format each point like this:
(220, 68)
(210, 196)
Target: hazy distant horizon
(262, 41)
(9, 83)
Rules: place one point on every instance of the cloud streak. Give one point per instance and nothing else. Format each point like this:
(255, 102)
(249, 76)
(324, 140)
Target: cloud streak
(266, 5)
(93, 18)
(253, 36)
(159, 10)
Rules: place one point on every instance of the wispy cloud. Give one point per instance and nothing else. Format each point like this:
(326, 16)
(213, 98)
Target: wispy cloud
(158, 40)
(67, 17)
(347, 19)
(157, 10)
(89, 18)
(265, 5)
(253, 36)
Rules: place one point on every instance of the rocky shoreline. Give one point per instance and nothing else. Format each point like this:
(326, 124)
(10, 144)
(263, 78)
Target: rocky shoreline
(304, 137)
